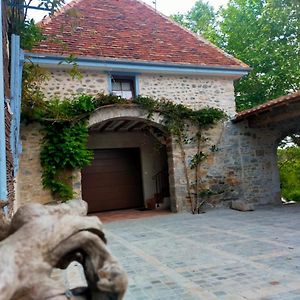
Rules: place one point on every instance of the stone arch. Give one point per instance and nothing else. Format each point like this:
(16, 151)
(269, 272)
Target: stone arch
(280, 131)
(286, 131)
(134, 112)
(130, 111)
(259, 137)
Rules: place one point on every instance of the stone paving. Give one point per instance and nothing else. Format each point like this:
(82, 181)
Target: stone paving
(223, 254)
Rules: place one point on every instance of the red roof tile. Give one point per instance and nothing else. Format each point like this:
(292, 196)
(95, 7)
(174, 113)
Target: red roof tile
(281, 101)
(126, 29)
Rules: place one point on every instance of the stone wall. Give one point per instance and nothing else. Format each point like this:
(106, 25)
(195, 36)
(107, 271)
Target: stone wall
(29, 179)
(193, 91)
(29, 186)
(245, 165)
(220, 172)
(258, 140)
(60, 83)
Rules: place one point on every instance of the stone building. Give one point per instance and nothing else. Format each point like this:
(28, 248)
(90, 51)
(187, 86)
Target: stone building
(127, 48)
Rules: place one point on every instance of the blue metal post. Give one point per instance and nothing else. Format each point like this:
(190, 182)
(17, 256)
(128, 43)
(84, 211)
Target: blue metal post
(3, 176)
(17, 58)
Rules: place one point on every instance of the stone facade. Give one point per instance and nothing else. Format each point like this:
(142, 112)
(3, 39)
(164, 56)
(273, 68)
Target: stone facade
(29, 186)
(258, 140)
(244, 167)
(60, 83)
(193, 91)
(29, 179)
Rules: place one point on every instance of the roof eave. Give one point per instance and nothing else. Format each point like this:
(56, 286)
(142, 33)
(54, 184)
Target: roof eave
(269, 105)
(134, 66)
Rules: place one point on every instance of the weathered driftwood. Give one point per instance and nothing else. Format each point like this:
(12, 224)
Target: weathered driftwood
(40, 238)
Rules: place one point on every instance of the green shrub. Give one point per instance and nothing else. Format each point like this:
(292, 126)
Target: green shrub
(289, 170)
(291, 195)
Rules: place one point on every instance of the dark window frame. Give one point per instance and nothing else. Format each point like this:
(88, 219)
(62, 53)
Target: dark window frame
(124, 79)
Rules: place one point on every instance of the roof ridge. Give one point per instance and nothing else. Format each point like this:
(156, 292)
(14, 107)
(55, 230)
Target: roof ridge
(199, 37)
(62, 10)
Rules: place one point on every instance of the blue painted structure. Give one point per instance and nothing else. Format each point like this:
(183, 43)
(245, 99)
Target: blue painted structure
(17, 59)
(137, 85)
(3, 175)
(114, 66)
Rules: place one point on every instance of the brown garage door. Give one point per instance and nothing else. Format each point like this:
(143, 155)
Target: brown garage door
(113, 180)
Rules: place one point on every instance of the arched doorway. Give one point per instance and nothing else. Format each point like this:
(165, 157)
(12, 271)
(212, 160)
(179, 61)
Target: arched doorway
(130, 167)
(288, 160)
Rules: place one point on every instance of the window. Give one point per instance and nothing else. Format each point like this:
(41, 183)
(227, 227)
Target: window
(123, 86)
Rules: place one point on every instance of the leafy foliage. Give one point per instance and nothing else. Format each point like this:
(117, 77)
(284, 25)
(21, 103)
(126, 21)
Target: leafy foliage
(197, 159)
(63, 148)
(32, 94)
(201, 19)
(289, 168)
(19, 23)
(51, 6)
(176, 115)
(291, 140)
(30, 34)
(264, 34)
(65, 138)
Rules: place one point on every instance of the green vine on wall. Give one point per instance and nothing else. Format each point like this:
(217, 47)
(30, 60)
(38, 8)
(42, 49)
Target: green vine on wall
(64, 121)
(63, 150)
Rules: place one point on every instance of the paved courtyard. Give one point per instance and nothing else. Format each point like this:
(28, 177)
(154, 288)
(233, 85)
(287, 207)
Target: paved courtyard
(223, 254)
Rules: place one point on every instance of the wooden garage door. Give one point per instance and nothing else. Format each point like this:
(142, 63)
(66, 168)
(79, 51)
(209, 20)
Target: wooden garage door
(113, 180)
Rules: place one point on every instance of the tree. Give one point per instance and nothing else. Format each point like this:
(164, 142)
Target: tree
(20, 24)
(292, 140)
(201, 19)
(264, 34)
(289, 169)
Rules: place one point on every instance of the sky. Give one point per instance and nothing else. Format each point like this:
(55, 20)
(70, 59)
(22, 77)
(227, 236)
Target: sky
(167, 7)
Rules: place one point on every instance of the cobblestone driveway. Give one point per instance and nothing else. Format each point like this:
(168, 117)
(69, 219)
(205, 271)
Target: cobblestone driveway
(223, 254)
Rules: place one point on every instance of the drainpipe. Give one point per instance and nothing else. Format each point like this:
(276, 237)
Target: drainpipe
(3, 180)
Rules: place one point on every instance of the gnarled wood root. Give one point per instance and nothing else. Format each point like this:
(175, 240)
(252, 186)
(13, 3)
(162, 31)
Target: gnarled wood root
(41, 238)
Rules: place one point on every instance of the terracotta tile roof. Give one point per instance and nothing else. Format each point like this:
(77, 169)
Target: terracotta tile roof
(278, 102)
(126, 29)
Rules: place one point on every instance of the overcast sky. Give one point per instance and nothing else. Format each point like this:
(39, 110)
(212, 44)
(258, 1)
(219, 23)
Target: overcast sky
(167, 7)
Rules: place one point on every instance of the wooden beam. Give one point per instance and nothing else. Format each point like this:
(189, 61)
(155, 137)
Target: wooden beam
(105, 125)
(121, 124)
(140, 126)
(132, 125)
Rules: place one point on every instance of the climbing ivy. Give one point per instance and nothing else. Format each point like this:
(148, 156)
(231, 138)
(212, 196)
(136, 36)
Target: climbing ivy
(176, 119)
(63, 150)
(64, 121)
